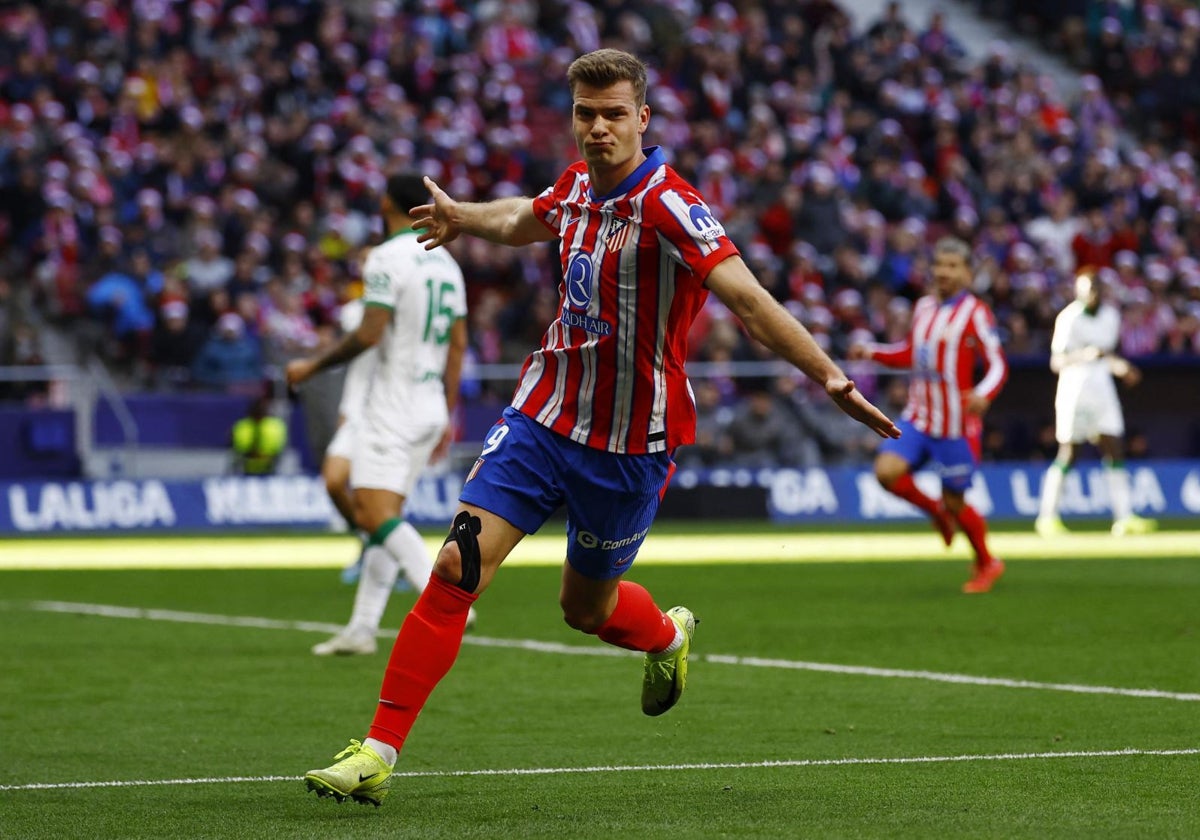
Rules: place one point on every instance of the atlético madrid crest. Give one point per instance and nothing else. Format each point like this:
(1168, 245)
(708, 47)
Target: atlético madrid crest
(618, 234)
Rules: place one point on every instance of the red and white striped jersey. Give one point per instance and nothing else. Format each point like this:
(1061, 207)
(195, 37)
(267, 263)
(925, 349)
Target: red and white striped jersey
(944, 345)
(610, 371)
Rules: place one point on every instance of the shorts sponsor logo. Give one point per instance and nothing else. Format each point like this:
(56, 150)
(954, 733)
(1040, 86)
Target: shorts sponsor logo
(589, 540)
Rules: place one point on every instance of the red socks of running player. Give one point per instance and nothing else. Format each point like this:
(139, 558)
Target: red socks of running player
(432, 633)
(974, 526)
(636, 622)
(424, 650)
(968, 519)
(907, 489)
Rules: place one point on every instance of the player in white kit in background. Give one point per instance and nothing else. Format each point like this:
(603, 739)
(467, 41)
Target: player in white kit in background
(414, 311)
(1086, 406)
(335, 467)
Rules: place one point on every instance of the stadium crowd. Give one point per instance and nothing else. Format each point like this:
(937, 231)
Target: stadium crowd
(191, 184)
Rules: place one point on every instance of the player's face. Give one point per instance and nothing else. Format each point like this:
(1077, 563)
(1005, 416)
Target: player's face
(1087, 290)
(608, 127)
(950, 274)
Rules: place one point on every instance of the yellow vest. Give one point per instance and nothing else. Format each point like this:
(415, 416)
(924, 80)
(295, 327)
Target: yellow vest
(259, 443)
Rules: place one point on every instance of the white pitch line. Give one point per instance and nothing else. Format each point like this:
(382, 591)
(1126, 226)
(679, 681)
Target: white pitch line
(109, 611)
(637, 768)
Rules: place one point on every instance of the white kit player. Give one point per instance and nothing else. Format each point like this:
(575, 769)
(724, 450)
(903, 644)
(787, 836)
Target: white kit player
(414, 311)
(1086, 406)
(335, 467)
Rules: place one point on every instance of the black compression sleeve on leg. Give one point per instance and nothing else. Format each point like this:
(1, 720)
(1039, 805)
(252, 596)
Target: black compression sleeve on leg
(465, 532)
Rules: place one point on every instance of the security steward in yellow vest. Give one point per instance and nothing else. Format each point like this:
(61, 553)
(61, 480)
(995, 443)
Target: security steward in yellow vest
(259, 439)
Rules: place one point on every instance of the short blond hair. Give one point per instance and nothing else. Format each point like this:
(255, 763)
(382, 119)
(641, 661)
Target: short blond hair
(607, 67)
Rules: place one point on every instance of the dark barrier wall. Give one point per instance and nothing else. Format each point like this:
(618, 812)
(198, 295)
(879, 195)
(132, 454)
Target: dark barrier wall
(37, 443)
(1165, 407)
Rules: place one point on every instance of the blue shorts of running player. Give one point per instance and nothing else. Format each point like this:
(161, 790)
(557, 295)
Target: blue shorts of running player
(526, 472)
(954, 458)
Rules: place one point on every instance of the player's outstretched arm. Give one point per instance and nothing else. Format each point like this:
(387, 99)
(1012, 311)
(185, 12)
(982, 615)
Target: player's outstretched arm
(507, 221)
(364, 337)
(771, 324)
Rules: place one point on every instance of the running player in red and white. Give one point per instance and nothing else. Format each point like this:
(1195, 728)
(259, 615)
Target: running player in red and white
(952, 330)
(598, 410)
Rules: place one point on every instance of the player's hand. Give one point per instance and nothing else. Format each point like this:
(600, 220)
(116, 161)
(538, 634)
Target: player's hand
(842, 391)
(435, 221)
(977, 404)
(1127, 373)
(443, 447)
(858, 353)
(298, 370)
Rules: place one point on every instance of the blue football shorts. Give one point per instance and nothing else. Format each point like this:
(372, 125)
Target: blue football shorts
(526, 472)
(953, 457)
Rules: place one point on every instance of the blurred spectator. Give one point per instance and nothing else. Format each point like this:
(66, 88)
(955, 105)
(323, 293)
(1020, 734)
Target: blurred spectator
(760, 433)
(713, 446)
(118, 300)
(19, 347)
(1054, 233)
(209, 270)
(229, 357)
(177, 340)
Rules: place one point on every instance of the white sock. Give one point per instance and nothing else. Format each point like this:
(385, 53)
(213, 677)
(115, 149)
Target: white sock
(676, 643)
(386, 751)
(1119, 493)
(1052, 490)
(408, 549)
(374, 587)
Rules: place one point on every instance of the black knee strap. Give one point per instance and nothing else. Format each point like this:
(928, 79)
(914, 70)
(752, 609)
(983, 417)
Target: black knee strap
(465, 532)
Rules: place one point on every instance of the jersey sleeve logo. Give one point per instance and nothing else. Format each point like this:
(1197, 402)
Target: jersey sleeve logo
(376, 283)
(694, 216)
(706, 226)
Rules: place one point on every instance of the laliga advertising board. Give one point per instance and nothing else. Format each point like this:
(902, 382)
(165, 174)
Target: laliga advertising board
(235, 503)
(299, 502)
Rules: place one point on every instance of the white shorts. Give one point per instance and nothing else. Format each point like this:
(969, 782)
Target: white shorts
(344, 439)
(393, 459)
(1086, 418)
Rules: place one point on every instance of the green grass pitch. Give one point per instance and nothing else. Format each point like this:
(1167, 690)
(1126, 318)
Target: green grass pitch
(825, 698)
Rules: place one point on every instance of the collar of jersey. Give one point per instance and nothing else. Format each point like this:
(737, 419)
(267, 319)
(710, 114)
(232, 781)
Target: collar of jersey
(956, 297)
(401, 232)
(654, 159)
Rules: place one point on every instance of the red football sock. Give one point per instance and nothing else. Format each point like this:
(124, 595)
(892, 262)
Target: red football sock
(424, 650)
(637, 623)
(974, 526)
(907, 489)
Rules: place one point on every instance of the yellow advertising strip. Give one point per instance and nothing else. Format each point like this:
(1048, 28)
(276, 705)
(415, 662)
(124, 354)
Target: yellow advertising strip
(326, 552)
